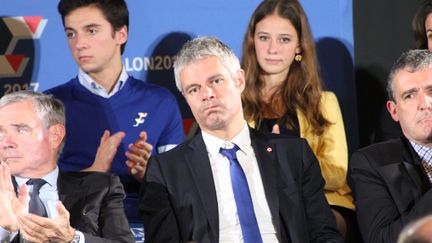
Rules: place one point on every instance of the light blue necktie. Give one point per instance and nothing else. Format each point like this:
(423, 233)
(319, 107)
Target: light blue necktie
(242, 196)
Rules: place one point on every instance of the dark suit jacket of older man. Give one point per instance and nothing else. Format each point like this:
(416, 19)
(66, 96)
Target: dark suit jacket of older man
(95, 204)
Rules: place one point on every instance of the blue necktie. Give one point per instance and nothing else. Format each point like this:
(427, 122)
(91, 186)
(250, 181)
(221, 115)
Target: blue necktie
(242, 196)
(36, 205)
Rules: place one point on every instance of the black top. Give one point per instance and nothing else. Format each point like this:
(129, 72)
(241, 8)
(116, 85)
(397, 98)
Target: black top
(266, 125)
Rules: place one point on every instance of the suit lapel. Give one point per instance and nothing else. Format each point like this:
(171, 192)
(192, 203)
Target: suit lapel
(15, 185)
(70, 190)
(199, 165)
(414, 167)
(405, 177)
(265, 153)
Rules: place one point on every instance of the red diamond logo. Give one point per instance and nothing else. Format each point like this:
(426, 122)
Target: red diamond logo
(33, 22)
(15, 61)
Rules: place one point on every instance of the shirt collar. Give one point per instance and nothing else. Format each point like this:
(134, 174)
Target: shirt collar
(50, 178)
(97, 89)
(213, 144)
(425, 153)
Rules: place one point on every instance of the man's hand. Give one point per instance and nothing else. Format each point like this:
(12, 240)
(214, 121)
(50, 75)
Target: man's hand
(276, 129)
(40, 229)
(106, 151)
(138, 156)
(10, 204)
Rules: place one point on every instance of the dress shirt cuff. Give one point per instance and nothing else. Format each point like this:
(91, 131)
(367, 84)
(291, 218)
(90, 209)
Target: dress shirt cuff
(82, 238)
(165, 148)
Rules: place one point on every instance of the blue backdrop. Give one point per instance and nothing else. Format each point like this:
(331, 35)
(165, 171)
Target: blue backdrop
(34, 52)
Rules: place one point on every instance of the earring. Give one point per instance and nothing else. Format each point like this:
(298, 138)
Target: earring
(298, 57)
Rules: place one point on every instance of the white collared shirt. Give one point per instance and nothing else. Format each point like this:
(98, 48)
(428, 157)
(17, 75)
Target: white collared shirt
(229, 224)
(96, 88)
(48, 193)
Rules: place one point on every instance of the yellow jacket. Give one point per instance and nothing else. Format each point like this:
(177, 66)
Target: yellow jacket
(331, 151)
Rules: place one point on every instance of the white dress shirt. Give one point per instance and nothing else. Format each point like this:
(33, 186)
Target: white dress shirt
(229, 224)
(48, 193)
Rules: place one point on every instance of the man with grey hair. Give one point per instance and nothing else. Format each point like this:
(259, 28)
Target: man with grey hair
(231, 183)
(391, 181)
(39, 203)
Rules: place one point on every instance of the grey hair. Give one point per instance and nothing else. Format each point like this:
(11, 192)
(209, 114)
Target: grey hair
(413, 60)
(409, 234)
(50, 110)
(201, 48)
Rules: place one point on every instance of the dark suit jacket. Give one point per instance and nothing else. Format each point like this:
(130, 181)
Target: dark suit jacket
(179, 204)
(95, 204)
(390, 189)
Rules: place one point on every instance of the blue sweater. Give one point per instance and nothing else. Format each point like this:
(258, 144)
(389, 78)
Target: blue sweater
(88, 115)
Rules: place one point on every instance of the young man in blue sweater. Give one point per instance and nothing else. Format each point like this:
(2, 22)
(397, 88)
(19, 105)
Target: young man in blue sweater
(114, 121)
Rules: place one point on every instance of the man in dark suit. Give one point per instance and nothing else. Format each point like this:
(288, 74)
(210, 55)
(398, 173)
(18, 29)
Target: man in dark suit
(200, 192)
(38, 202)
(391, 181)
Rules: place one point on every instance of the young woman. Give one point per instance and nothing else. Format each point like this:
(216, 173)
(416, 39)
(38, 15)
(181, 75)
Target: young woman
(422, 26)
(283, 94)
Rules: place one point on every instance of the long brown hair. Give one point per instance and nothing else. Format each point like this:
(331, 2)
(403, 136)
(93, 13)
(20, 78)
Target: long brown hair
(418, 24)
(302, 88)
